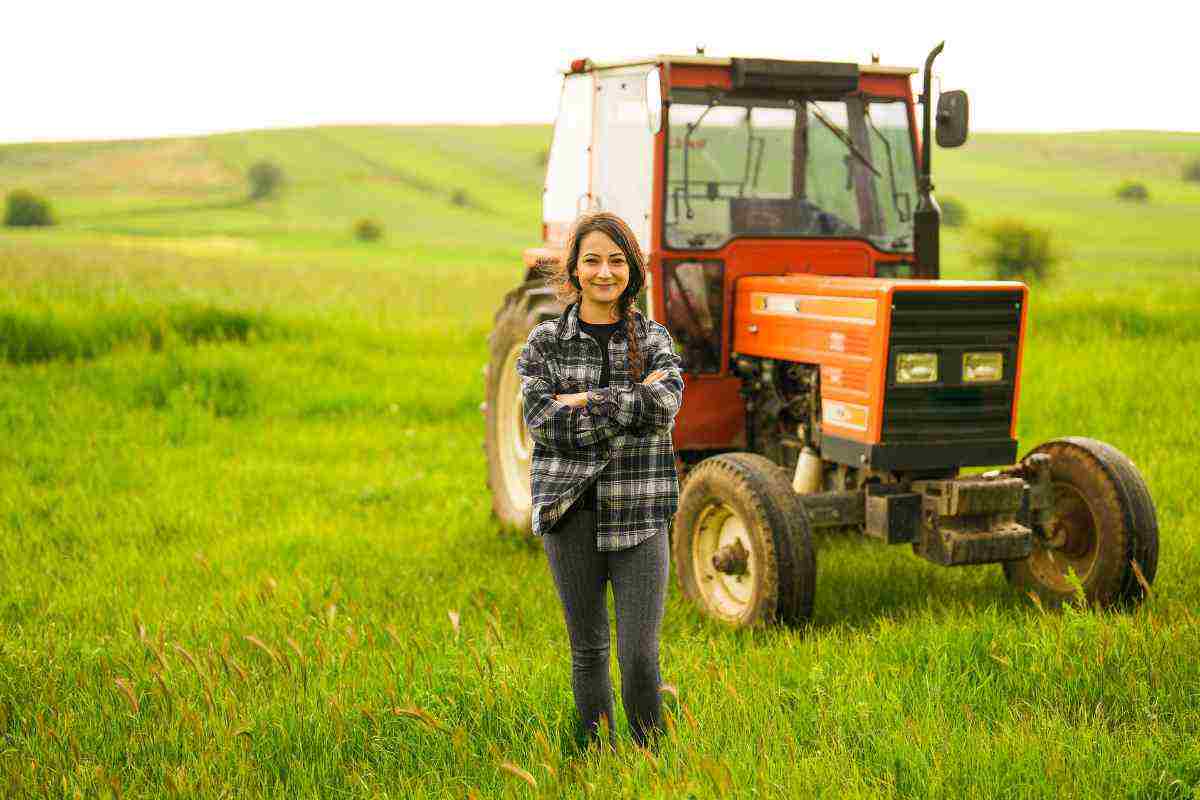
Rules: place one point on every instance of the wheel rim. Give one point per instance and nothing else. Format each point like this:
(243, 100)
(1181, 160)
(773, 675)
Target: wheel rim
(718, 529)
(512, 438)
(1073, 529)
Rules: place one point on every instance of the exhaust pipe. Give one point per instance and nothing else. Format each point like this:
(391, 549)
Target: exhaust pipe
(927, 218)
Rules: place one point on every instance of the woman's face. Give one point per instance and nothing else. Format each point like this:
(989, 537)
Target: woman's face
(603, 271)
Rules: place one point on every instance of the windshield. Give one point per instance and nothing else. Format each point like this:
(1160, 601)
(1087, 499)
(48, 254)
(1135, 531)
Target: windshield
(794, 167)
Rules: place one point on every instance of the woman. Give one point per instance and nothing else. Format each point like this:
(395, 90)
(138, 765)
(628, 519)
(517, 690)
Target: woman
(601, 386)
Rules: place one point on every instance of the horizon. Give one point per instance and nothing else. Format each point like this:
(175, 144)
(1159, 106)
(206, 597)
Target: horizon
(467, 124)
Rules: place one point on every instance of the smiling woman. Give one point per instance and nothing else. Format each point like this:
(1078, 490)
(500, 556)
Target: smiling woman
(603, 475)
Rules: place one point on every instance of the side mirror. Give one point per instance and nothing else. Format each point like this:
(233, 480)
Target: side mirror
(654, 104)
(952, 118)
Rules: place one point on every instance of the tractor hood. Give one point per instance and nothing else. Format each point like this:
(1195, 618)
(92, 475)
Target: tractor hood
(914, 373)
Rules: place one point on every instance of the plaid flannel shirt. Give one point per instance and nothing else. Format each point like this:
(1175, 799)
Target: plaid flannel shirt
(621, 438)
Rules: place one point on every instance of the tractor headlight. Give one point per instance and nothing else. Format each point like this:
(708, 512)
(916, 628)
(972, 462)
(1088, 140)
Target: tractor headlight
(916, 368)
(982, 367)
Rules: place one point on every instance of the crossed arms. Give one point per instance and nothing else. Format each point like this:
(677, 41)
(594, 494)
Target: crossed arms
(573, 421)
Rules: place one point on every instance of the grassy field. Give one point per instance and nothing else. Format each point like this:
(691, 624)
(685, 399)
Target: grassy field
(246, 547)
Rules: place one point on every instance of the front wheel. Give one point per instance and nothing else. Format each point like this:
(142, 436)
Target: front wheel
(1102, 527)
(741, 544)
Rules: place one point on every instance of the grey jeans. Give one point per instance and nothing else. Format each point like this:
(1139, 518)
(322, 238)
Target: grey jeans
(639, 581)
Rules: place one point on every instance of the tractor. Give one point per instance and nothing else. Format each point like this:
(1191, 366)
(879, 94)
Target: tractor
(833, 379)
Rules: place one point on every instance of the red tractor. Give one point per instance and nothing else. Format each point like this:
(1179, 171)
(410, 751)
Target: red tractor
(832, 378)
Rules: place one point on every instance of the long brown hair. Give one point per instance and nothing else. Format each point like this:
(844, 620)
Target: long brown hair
(564, 275)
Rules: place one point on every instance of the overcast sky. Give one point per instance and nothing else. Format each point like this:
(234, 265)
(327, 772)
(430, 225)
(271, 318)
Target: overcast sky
(119, 68)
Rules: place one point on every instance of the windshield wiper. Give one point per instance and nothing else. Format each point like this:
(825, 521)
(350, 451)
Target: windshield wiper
(845, 137)
(687, 145)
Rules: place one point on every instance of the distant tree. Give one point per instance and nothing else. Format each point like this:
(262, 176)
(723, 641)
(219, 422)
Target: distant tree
(266, 179)
(460, 198)
(542, 157)
(1191, 172)
(26, 209)
(954, 212)
(368, 230)
(1015, 250)
(1133, 191)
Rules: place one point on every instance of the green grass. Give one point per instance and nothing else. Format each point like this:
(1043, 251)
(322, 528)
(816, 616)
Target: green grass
(314, 480)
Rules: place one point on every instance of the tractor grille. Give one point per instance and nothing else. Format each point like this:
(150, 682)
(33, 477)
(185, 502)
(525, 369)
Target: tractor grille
(951, 324)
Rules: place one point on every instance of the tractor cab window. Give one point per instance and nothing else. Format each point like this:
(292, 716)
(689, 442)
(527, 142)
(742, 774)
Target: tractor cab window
(695, 300)
(790, 167)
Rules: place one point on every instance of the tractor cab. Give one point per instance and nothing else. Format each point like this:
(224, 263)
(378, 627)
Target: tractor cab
(697, 152)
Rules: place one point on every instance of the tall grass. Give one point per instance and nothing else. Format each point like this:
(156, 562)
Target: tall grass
(31, 334)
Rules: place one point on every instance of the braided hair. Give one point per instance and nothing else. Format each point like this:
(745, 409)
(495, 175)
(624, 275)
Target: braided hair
(564, 274)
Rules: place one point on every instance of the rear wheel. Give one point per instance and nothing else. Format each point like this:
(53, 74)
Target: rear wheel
(1103, 528)
(741, 544)
(508, 444)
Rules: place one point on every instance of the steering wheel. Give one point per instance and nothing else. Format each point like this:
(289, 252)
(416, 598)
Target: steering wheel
(823, 222)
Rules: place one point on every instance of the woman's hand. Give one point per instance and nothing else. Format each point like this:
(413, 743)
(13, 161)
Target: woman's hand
(576, 400)
(657, 375)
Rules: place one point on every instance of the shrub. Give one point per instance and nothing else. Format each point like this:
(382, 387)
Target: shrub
(1191, 171)
(954, 213)
(1133, 191)
(27, 209)
(266, 178)
(460, 198)
(542, 157)
(368, 230)
(1015, 250)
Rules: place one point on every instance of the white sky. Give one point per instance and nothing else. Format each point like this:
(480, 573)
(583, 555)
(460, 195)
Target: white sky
(119, 68)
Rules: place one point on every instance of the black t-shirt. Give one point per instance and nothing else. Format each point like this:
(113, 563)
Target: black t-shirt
(602, 334)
